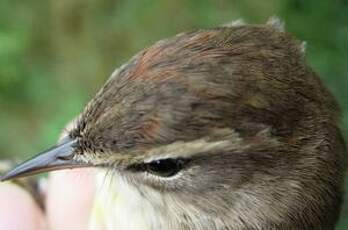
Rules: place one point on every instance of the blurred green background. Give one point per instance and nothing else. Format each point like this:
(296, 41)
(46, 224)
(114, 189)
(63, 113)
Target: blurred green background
(54, 55)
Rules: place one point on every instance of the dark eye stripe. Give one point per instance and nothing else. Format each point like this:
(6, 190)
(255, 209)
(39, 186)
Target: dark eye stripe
(164, 167)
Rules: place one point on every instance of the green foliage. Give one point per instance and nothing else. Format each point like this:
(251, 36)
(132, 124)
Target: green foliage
(54, 55)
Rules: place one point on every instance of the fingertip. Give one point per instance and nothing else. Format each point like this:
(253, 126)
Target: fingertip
(69, 198)
(18, 209)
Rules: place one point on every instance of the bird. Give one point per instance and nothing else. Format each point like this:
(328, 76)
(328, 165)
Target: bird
(226, 128)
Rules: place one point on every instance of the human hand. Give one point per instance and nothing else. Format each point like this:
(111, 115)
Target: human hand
(68, 203)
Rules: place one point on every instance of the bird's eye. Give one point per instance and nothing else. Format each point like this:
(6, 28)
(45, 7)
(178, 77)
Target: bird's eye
(163, 168)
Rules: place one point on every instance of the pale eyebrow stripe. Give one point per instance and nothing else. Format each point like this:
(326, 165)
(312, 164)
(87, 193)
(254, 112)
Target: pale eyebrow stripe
(221, 141)
(192, 148)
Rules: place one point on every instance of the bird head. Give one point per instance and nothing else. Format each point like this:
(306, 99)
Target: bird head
(227, 125)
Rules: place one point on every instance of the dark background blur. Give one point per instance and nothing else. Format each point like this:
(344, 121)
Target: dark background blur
(55, 54)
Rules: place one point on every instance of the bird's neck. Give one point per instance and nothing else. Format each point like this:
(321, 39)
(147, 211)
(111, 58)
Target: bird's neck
(120, 205)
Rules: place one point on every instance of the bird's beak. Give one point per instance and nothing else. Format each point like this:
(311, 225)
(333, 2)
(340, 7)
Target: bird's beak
(56, 158)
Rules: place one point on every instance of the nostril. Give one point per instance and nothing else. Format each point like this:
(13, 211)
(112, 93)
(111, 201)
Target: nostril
(66, 157)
